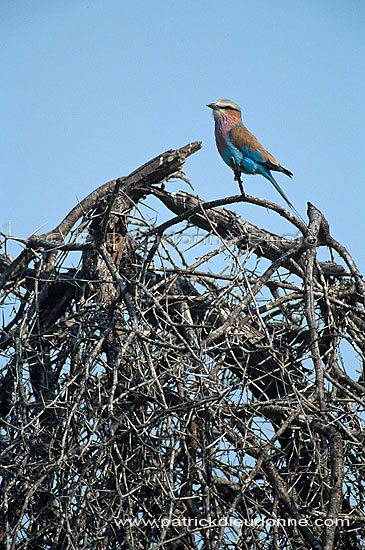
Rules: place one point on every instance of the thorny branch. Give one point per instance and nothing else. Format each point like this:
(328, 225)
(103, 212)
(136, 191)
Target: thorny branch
(184, 382)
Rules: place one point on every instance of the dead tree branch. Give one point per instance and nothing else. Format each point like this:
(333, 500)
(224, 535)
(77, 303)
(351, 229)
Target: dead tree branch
(182, 378)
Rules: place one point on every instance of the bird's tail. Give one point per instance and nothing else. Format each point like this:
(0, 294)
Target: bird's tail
(281, 192)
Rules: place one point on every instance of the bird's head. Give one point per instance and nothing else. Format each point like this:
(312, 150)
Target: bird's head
(225, 108)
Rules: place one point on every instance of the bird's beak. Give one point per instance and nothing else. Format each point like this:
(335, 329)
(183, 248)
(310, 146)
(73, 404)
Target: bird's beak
(212, 106)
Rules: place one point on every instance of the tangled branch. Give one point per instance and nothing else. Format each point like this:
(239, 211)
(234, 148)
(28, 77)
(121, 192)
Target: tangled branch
(152, 398)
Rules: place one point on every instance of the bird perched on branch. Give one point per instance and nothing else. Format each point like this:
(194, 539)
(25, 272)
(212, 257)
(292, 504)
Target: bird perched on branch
(240, 149)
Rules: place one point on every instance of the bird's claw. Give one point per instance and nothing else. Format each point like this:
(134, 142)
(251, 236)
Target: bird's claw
(237, 175)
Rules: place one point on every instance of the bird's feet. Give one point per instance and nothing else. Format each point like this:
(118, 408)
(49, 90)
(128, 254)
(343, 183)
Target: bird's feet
(237, 175)
(243, 192)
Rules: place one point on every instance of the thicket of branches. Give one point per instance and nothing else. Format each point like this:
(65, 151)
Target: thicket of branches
(154, 399)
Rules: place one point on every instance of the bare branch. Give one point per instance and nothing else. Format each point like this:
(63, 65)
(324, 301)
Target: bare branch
(190, 380)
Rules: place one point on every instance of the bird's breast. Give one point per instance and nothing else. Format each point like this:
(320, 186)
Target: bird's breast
(224, 145)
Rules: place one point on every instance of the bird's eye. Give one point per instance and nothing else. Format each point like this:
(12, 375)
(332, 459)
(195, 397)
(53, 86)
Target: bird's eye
(229, 107)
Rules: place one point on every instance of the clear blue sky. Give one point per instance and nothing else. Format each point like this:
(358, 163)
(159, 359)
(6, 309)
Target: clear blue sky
(92, 89)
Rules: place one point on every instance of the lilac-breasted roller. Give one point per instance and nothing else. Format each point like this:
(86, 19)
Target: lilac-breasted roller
(240, 149)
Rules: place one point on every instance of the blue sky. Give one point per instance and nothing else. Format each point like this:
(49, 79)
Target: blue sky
(92, 89)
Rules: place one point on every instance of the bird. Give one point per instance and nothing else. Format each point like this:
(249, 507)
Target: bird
(240, 149)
